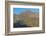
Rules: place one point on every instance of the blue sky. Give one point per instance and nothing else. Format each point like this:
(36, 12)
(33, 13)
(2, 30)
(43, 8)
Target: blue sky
(20, 10)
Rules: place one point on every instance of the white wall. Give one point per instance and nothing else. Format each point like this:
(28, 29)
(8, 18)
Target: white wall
(2, 18)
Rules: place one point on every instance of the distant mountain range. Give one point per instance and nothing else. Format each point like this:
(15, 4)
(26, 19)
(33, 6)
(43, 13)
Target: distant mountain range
(28, 13)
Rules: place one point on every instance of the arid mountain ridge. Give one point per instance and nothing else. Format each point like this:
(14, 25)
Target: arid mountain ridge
(28, 14)
(28, 17)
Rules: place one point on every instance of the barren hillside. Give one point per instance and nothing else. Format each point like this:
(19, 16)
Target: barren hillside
(29, 18)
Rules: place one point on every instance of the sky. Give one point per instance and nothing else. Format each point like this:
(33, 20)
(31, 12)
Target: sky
(20, 10)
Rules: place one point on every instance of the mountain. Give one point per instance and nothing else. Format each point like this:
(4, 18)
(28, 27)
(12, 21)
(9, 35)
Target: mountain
(28, 17)
(30, 14)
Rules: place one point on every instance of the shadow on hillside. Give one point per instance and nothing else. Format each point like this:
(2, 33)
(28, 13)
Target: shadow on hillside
(20, 24)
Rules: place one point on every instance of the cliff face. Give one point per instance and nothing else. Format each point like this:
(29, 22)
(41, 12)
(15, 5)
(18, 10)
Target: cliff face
(29, 18)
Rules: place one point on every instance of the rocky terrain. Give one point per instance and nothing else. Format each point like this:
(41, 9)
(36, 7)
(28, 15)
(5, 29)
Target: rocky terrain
(26, 19)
